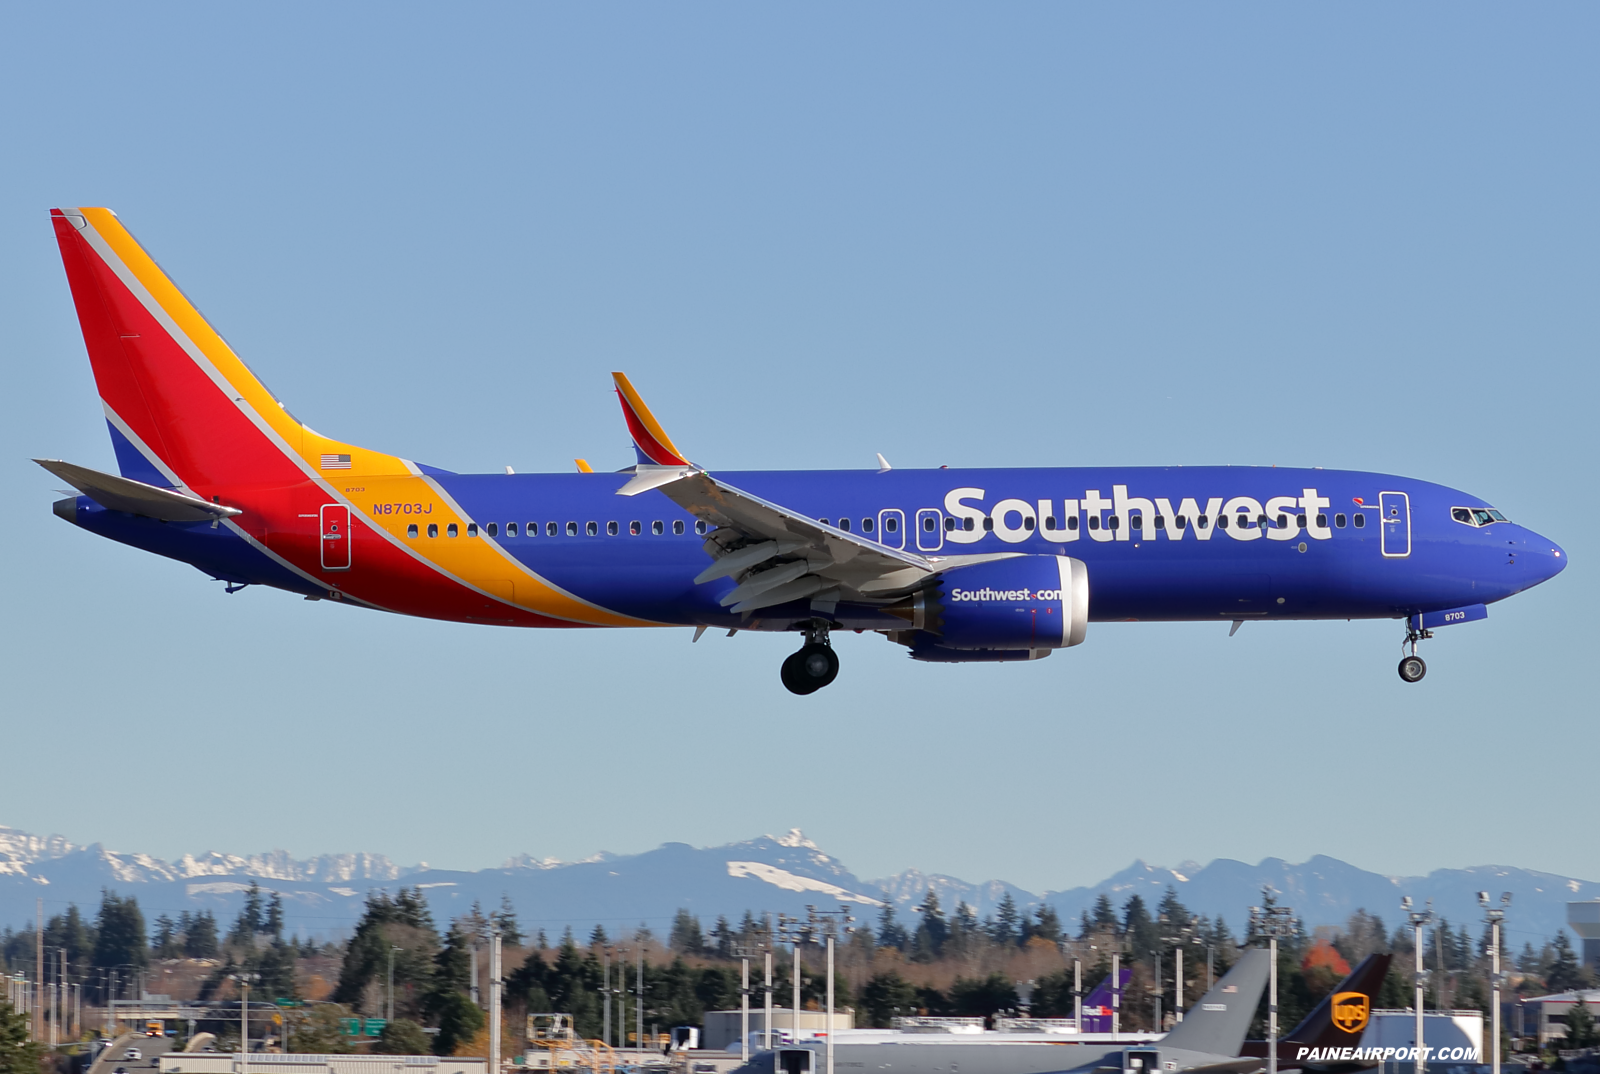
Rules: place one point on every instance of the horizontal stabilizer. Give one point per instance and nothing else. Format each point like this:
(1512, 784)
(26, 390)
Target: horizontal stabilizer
(135, 497)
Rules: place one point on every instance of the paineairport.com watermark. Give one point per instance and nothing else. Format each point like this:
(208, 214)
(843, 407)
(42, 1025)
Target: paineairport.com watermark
(1430, 1054)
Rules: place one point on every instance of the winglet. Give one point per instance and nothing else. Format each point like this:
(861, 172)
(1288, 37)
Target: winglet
(648, 436)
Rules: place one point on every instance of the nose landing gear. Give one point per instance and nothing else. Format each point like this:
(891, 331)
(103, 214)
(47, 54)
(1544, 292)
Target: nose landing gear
(1412, 668)
(814, 666)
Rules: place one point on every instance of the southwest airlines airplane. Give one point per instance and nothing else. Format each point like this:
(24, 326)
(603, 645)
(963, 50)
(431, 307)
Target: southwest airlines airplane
(955, 565)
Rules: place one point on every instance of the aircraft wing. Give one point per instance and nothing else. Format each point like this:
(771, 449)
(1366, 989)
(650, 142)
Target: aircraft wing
(777, 555)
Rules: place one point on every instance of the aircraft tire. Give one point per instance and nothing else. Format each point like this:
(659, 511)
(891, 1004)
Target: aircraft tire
(1412, 669)
(810, 669)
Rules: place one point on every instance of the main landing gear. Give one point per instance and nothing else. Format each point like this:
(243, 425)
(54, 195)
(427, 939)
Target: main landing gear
(814, 666)
(1412, 667)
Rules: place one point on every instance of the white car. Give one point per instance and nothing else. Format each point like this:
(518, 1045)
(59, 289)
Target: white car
(133, 1053)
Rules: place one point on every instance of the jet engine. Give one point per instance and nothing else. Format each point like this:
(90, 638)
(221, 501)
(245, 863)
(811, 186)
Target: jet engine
(1011, 609)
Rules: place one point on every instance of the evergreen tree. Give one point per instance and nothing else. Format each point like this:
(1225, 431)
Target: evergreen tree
(506, 919)
(1564, 974)
(320, 1030)
(598, 937)
(119, 932)
(273, 926)
(410, 908)
(542, 942)
(982, 997)
(1105, 915)
(164, 944)
(932, 929)
(403, 1037)
(722, 938)
(1137, 927)
(886, 996)
(965, 932)
(200, 938)
(459, 1022)
(276, 965)
(890, 932)
(1581, 1029)
(1084, 925)
(1046, 925)
(386, 923)
(18, 1054)
(1007, 921)
(251, 919)
(1172, 912)
(686, 934)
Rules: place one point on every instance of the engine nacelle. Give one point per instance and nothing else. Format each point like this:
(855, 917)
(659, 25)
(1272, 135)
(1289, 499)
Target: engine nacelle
(1017, 606)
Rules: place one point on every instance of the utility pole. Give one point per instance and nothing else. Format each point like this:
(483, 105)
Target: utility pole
(472, 973)
(1420, 919)
(1272, 922)
(1494, 915)
(38, 970)
(605, 995)
(494, 999)
(1116, 991)
(744, 1008)
(766, 1021)
(390, 1011)
(638, 994)
(1077, 994)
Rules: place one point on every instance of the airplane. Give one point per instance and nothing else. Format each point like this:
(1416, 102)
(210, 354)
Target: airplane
(1334, 1024)
(975, 565)
(1207, 1041)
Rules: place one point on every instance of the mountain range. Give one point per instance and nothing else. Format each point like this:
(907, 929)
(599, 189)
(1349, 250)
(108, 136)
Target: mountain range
(323, 896)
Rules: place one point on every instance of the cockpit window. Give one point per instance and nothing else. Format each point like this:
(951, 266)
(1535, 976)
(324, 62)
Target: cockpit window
(1477, 516)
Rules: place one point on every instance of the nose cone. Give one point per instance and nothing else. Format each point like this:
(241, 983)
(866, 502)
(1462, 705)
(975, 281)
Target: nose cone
(1543, 557)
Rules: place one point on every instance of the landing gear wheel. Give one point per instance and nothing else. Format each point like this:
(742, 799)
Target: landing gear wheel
(1412, 669)
(810, 669)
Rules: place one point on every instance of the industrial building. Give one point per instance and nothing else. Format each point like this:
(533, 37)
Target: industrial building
(305, 1063)
(1583, 918)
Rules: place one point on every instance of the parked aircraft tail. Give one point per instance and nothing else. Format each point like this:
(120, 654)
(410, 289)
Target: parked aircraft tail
(1097, 1005)
(184, 410)
(1335, 1023)
(1219, 1022)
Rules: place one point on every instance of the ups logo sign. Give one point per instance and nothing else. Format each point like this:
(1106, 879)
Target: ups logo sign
(1351, 1010)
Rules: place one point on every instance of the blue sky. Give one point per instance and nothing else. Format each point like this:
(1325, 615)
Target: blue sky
(1359, 236)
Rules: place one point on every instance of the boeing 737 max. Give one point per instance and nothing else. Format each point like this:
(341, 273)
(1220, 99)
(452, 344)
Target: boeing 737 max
(956, 565)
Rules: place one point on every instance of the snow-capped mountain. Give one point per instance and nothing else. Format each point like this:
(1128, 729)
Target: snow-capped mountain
(773, 874)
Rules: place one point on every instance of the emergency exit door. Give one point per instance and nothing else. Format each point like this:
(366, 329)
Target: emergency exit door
(1395, 507)
(335, 523)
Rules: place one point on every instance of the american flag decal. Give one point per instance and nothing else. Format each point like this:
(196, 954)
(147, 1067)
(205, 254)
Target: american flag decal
(336, 462)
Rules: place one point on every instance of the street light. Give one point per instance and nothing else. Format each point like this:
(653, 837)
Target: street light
(1494, 915)
(1420, 919)
(1272, 922)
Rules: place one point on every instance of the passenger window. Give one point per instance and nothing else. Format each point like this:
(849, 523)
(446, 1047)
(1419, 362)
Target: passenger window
(550, 529)
(1136, 522)
(658, 527)
(1283, 522)
(1028, 523)
(1265, 522)
(824, 521)
(611, 529)
(472, 529)
(433, 529)
(677, 526)
(927, 524)
(1202, 522)
(1361, 520)
(1115, 522)
(494, 529)
(1222, 522)
(1072, 523)
(636, 528)
(949, 523)
(450, 530)
(967, 524)
(411, 530)
(866, 525)
(1161, 522)
(988, 525)
(1094, 522)
(1178, 522)
(572, 529)
(1338, 520)
(592, 529)
(1300, 520)
(511, 529)
(1322, 521)
(1050, 522)
(700, 527)
(891, 524)
(844, 524)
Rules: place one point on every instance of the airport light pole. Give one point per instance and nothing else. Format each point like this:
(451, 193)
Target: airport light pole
(766, 1021)
(1420, 919)
(793, 931)
(494, 999)
(605, 995)
(1077, 994)
(1272, 922)
(1116, 991)
(1494, 915)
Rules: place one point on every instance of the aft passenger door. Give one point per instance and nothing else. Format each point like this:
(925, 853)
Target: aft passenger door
(1395, 507)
